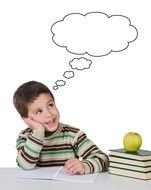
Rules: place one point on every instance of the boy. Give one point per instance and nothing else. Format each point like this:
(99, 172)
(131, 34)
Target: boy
(46, 141)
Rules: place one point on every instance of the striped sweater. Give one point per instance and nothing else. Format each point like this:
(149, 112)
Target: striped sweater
(35, 149)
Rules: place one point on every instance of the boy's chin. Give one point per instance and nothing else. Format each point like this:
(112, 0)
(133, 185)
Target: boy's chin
(51, 129)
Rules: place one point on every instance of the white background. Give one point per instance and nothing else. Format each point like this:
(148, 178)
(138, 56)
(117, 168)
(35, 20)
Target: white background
(106, 101)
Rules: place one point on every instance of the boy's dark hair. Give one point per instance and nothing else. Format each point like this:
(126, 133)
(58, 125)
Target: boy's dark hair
(27, 93)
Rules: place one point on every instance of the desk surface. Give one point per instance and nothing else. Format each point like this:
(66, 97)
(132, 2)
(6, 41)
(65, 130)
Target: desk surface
(104, 181)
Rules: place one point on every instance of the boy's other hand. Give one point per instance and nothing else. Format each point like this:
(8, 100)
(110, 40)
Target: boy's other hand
(74, 166)
(33, 124)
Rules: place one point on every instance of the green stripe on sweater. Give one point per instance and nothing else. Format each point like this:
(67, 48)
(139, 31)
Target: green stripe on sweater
(57, 152)
(31, 150)
(19, 143)
(83, 143)
(62, 137)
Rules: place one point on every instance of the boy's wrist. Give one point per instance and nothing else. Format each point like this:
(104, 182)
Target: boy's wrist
(39, 134)
(86, 167)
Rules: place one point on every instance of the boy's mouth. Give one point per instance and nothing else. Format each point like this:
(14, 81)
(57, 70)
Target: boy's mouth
(50, 124)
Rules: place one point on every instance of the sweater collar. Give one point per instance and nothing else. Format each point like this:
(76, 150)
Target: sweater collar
(54, 133)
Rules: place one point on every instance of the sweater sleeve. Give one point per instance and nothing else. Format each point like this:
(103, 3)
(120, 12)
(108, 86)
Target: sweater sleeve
(29, 145)
(93, 159)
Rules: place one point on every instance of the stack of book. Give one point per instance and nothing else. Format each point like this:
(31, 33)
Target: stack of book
(135, 165)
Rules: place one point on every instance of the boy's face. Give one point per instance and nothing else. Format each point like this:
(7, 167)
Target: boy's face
(43, 110)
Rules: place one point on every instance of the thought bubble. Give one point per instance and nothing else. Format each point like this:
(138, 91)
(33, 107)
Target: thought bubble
(80, 63)
(59, 83)
(68, 74)
(94, 33)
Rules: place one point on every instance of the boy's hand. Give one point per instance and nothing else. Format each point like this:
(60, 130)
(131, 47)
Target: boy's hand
(33, 124)
(74, 166)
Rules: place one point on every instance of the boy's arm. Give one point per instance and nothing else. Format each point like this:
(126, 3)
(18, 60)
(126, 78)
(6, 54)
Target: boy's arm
(29, 145)
(94, 160)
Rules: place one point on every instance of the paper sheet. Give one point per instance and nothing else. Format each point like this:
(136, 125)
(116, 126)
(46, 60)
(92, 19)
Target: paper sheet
(55, 173)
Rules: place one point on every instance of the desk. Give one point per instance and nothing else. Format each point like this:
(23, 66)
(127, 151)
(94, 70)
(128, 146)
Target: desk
(104, 181)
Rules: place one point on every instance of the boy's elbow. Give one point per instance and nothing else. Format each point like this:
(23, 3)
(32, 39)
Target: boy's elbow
(25, 167)
(106, 162)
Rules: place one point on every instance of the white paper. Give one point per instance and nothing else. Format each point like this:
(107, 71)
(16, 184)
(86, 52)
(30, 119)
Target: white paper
(55, 173)
(89, 178)
(38, 173)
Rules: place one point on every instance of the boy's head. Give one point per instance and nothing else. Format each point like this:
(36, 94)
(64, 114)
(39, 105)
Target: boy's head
(26, 94)
(35, 100)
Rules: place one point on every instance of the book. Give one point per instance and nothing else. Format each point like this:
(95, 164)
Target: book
(54, 173)
(136, 165)
(129, 161)
(139, 155)
(132, 174)
(130, 167)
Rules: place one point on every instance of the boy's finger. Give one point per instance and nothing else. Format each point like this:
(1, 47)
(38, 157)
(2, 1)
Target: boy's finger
(70, 163)
(71, 160)
(72, 169)
(30, 122)
(76, 170)
(26, 120)
(68, 166)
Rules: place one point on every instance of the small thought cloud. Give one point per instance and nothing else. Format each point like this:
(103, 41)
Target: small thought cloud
(55, 87)
(94, 33)
(68, 74)
(60, 82)
(80, 63)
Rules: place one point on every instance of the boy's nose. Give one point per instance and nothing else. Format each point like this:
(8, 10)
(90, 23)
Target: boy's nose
(48, 113)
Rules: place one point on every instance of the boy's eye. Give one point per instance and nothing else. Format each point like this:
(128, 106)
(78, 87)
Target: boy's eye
(51, 105)
(39, 111)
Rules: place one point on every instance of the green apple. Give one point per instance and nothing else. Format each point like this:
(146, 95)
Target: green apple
(132, 142)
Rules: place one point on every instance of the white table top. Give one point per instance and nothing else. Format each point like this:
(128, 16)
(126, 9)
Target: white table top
(104, 181)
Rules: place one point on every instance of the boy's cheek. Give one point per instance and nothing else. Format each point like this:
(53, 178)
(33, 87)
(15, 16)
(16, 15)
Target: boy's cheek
(34, 118)
(30, 115)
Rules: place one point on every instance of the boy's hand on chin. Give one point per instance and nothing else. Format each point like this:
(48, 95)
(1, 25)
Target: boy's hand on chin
(74, 166)
(33, 124)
